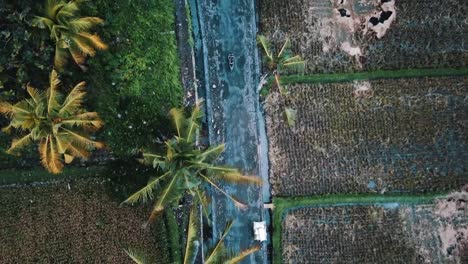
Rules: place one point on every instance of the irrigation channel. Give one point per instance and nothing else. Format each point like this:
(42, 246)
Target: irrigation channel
(234, 117)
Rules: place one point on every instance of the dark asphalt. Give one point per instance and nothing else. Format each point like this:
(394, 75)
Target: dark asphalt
(233, 111)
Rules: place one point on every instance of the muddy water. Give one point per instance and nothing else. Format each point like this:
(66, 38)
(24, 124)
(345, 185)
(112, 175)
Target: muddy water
(233, 113)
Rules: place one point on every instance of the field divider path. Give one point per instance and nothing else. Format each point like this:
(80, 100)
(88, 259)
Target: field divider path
(372, 75)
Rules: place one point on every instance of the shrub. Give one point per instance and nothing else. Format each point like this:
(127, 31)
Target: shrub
(137, 81)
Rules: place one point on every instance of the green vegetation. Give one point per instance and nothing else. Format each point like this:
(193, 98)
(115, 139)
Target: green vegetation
(185, 168)
(137, 81)
(134, 84)
(174, 239)
(70, 32)
(282, 61)
(58, 123)
(373, 75)
(26, 52)
(190, 25)
(284, 205)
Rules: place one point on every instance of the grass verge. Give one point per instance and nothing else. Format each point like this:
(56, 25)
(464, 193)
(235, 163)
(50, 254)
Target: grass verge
(137, 81)
(381, 74)
(284, 205)
(174, 236)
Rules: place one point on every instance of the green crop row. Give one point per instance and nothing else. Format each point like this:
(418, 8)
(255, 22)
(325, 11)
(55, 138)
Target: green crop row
(373, 75)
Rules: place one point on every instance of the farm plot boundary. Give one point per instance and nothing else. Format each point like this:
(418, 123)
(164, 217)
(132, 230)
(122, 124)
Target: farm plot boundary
(285, 205)
(372, 75)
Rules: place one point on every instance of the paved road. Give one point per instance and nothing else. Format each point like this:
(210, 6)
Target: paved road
(228, 26)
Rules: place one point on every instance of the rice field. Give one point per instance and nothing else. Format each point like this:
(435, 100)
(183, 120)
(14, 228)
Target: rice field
(399, 135)
(74, 222)
(386, 233)
(352, 35)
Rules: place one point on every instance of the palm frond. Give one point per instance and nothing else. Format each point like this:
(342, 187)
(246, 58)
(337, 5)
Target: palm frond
(34, 93)
(170, 194)
(91, 117)
(217, 253)
(83, 45)
(203, 201)
(90, 125)
(207, 166)
(61, 58)
(53, 7)
(237, 177)
(20, 108)
(151, 159)
(191, 247)
(262, 40)
(69, 10)
(62, 143)
(94, 40)
(146, 193)
(193, 123)
(6, 108)
(74, 99)
(212, 152)
(52, 103)
(78, 56)
(77, 151)
(43, 22)
(286, 45)
(242, 255)
(82, 140)
(20, 143)
(137, 257)
(84, 23)
(236, 202)
(50, 158)
(177, 115)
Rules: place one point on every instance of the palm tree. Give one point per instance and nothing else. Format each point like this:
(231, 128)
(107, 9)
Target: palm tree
(218, 254)
(186, 168)
(58, 123)
(70, 32)
(284, 60)
(278, 63)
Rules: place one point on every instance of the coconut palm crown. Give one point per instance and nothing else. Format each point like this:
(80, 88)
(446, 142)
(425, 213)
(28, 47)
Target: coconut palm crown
(186, 168)
(284, 60)
(58, 123)
(70, 31)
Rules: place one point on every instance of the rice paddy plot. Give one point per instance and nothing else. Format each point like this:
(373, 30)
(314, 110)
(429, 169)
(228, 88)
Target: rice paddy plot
(74, 222)
(398, 135)
(352, 35)
(386, 233)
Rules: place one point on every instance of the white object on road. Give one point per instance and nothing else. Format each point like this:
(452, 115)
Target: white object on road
(260, 231)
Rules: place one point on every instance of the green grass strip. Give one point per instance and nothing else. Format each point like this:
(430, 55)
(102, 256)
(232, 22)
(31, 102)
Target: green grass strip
(173, 236)
(284, 205)
(372, 75)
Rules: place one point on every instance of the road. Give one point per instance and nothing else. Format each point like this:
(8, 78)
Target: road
(233, 112)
